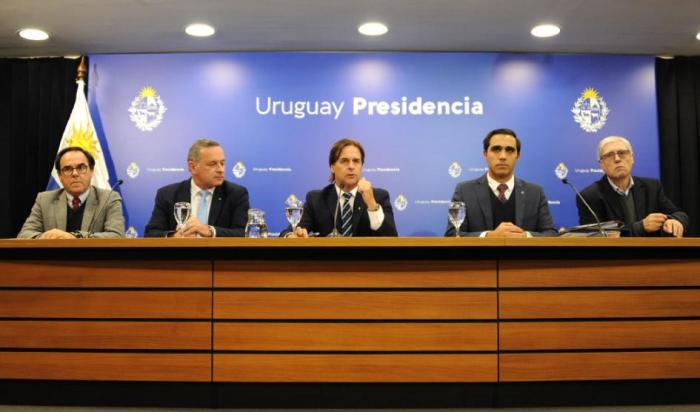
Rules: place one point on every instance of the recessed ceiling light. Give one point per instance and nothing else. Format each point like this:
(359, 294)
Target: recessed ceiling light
(373, 28)
(33, 34)
(545, 30)
(697, 36)
(199, 30)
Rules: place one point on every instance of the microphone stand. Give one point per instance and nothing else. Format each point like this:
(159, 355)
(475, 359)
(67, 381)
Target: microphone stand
(590, 209)
(335, 232)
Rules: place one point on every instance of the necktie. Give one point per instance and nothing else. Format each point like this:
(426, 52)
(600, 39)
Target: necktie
(75, 204)
(502, 192)
(203, 206)
(346, 216)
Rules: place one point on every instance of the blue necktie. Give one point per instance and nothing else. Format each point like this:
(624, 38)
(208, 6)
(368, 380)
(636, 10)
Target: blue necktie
(203, 207)
(346, 216)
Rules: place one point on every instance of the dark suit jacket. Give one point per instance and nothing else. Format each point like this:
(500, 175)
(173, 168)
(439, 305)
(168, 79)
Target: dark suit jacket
(531, 208)
(648, 196)
(228, 212)
(320, 206)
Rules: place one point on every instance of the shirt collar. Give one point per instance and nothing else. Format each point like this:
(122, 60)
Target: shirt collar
(493, 184)
(620, 191)
(339, 191)
(83, 196)
(194, 189)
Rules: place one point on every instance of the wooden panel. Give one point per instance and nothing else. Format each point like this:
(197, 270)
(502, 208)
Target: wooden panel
(599, 304)
(355, 336)
(105, 335)
(100, 273)
(354, 368)
(105, 304)
(599, 335)
(106, 366)
(583, 273)
(599, 366)
(356, 274)
(354, 305)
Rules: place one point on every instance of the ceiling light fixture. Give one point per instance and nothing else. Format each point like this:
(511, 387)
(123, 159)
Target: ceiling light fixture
(545, 30)
(200, 30)
(697, 36)
(373, 28)
(33, 34)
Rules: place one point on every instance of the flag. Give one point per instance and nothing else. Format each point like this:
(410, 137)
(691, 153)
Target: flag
(80, 131)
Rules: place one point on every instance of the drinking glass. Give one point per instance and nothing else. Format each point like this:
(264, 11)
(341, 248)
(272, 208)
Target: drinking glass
(293, 210)
(182, 214)
(456, 214)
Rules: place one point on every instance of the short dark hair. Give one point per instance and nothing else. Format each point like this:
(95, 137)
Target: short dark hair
(91, 160)
(338, 147)
(487, 139)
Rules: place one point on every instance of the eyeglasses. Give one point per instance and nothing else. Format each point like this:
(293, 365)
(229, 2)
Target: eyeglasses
(622, 154)
(68, 170)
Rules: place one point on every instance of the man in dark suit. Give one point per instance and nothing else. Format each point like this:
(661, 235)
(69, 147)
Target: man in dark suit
(637, 201)
(219, 207)
(362, 209)
(498, 204)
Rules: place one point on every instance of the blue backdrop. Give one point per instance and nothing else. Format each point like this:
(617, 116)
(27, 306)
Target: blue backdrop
(420, 116)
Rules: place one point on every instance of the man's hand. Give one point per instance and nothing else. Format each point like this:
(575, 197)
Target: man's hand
(194, 227)
(365, 188)
(56, 234)
(506, 229)
(673, 227)
(654, 222)
(299, 232)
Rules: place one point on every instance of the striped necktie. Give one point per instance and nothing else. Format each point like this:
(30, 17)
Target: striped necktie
(346, 216)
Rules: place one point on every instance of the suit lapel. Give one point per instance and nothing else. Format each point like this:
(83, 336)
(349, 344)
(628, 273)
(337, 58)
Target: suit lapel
(520, 200)
(60, 207)
(640, 199)
(330, 197)
(91, 203)
(613, 200)
(357, 211)
(483, 197)
(217, 203)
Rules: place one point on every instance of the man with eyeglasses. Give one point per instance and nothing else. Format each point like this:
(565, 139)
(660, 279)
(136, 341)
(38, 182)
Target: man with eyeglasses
(498, 204)
(219, 208)
(78, 209)
(639, 202)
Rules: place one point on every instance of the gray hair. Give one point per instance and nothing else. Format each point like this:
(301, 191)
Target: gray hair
(612, 139)
(193, 153)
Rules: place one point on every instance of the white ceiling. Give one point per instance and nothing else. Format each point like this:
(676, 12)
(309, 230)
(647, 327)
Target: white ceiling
(128, 26)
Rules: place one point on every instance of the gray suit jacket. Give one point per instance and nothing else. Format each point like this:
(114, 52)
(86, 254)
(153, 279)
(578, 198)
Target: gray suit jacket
(51, 208)
(531, 208)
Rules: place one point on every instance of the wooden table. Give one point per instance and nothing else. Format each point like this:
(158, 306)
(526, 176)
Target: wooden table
(362, 310)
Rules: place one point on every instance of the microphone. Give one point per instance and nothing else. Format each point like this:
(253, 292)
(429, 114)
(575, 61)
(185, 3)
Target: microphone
(335, 232)
(101, 209)
(590, 209)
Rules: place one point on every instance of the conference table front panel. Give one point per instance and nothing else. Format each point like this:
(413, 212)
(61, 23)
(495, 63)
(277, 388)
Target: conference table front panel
(105, 320)
(355, 321)
(599, 319)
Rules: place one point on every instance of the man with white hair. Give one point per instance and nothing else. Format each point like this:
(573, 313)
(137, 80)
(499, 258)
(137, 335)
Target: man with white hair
(639, 202)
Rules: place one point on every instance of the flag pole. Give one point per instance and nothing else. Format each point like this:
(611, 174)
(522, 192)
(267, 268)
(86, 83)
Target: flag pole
(82, 69)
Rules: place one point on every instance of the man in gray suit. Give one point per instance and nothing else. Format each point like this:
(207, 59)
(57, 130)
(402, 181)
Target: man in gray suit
(498, 204)
(78, 209)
